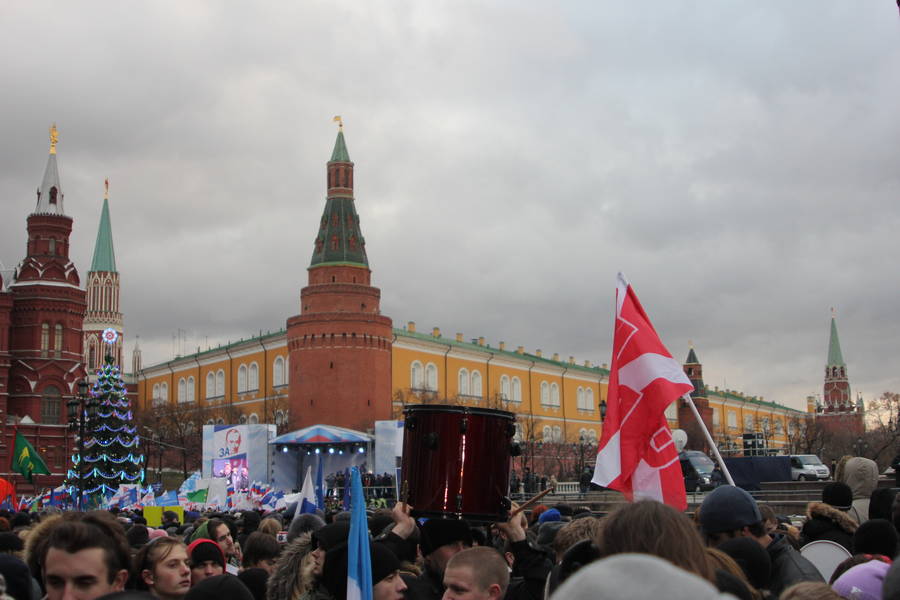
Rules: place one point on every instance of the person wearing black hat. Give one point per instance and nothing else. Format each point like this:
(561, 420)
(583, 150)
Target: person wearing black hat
(207, 560)
(729, 512)
(220, 587)
(875, 536)
(828, 519)
(440, 540)
(386, 581)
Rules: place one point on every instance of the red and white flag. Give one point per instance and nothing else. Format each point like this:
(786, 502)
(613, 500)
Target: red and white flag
(637, 455)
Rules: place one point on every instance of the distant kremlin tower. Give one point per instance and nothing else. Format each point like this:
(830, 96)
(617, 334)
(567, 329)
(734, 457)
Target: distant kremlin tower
(838, 411)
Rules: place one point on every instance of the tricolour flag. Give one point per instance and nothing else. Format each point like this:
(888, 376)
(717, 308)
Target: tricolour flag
(149, 499)
(359, 559)
(307, 501)
(636, 454)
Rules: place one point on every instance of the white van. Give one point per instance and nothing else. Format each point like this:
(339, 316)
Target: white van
(808, 467)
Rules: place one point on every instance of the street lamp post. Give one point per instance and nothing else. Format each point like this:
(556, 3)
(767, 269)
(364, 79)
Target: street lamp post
(602, 410)
(82, 411)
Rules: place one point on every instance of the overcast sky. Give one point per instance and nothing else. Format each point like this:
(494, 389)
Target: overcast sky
(736, 160)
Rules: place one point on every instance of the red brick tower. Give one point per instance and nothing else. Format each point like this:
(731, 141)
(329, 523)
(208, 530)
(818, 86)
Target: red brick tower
(839, 413)
(686, 419)
(340, 343)
(46, 320)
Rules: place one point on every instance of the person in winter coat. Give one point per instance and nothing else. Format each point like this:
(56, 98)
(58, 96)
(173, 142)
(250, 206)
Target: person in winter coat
(861, 474)
(828, 520)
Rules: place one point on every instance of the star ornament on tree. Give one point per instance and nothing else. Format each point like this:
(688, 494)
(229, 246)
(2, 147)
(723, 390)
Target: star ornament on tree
(110, 335)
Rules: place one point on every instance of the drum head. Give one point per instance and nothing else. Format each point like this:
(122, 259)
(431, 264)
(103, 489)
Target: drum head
(825, 555)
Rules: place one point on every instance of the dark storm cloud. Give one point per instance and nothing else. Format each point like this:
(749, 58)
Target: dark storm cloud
(735, 160)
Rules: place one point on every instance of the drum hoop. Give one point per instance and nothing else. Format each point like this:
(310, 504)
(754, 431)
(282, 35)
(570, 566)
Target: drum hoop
(452, 408)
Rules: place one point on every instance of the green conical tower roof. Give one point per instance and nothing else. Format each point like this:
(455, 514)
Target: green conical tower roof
(340, 153)
(835, 358)
(692, 358)
(104, 255)
(340, 239)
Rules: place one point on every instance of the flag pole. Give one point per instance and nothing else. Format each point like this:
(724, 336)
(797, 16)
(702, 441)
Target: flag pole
(709, 439)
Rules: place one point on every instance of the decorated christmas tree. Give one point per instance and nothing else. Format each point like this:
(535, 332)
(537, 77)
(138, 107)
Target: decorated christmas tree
(111, 450)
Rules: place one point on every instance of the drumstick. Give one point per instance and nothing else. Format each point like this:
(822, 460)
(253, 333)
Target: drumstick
(531, 501)
(404, 492)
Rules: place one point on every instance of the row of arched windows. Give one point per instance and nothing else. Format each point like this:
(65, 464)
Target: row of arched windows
(247, 381)
(423, 378)
(584, 398)
(549, 394)
(470, 383)
(510, 389)
(248, 378)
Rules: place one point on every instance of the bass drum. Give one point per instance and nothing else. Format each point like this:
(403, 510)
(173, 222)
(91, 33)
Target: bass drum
(456, 461)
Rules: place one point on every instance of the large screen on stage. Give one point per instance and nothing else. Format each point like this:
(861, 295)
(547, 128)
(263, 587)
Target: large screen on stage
(233, 469)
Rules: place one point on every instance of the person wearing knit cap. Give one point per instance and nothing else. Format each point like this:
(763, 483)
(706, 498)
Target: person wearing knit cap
(552, 514)
(19, 584)
(220, 587)
(207, 560)
(875, 536)
(255, 579)
(10, 543)
(729, 512)
(440, 540)
(303, 523)
(863, 582)
(386, 581)
(137, 536)
(828, 520)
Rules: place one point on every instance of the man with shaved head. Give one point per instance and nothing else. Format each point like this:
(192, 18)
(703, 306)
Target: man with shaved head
(478, 573)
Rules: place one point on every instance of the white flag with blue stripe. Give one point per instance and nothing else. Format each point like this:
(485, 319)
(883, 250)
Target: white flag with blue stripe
(359, 559)
(307, 501)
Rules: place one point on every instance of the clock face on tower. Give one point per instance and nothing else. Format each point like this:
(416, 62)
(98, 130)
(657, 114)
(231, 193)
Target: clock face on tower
(110, 335)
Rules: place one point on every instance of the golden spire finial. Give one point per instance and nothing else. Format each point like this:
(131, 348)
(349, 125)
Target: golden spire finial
(691, 344)
(833, 312)
(106, 189)
(337, 119)
(54, 138)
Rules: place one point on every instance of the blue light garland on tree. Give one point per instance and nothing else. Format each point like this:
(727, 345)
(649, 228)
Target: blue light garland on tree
(111, 447)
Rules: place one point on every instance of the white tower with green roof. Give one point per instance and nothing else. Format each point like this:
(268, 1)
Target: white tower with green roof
(103, 312)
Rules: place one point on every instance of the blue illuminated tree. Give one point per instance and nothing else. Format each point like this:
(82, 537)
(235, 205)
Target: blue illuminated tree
(111, 451)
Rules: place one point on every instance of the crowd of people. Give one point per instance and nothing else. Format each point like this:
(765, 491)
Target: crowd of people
(730, 547)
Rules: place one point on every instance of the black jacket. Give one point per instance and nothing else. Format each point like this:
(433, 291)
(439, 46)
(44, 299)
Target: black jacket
(788, 566)
(531, 566)
(826, 522)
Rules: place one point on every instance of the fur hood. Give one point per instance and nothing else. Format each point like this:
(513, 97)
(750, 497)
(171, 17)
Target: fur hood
(825, 511)
(292, 577)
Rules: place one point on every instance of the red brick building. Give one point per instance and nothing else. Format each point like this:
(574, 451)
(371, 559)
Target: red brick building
(42, 309)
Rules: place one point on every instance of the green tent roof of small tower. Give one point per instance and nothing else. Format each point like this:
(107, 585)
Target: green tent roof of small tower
(340, 240)
(104, 254)
(692, 358)
(835, 358)
(340, 153)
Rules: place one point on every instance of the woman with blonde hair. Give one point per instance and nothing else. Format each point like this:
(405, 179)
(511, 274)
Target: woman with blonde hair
(161, 567)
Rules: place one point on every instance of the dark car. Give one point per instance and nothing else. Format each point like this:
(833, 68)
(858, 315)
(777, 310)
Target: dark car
(697, 469)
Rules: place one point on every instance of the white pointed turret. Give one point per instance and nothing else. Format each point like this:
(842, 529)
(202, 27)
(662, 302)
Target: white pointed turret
(50, 196)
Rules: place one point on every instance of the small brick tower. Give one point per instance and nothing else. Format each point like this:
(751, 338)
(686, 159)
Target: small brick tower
(340, 343)
(686, 419)
(838, 410)
(103, 310)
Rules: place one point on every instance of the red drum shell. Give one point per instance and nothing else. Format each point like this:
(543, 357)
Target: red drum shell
(456, 461)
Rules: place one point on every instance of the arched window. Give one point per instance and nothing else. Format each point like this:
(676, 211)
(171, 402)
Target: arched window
(416, 375)
(547, 433)
(253, 377)
(278, 372)
(671, 412)
(210, 385)
(579, 398)
(557, 433)
(155, 398)
(554, 394)
(431, 377)
(589, 399)
(45, 339)
(463, 382)
(279, 417)
(243, 420)
(220, 382)
(57, 340)
(220, 421)
(163, 393)
(92, 353)
(545, 393)
(50, 404)
(476, 383)
(182, 390)
(190, 389)
(592, 436)
(516, 390)
(287, 370)
(242, 379)
(211, 422)
(254, 419)
(504, 387)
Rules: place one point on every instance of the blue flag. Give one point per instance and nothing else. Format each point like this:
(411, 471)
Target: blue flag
(320, 487)
(307, 501)
(359, 559)
(168, 499)
(346, 501)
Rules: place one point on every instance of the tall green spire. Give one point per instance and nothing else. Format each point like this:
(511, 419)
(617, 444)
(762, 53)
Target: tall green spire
(835, 358)
(104, 255)
(692, 358)
(340, 153)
